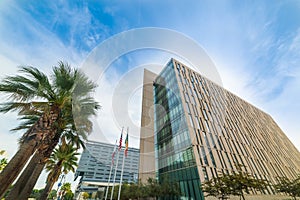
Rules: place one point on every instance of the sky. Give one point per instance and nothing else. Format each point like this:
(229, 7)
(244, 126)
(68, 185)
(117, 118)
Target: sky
(255, 46)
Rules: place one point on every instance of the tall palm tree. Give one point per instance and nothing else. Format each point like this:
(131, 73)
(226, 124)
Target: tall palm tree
(65, 191)
(63, 159)
(49, 108)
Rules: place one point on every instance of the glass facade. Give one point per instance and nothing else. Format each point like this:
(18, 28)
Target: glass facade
(175, 161)
(202, 131)
(95, 164)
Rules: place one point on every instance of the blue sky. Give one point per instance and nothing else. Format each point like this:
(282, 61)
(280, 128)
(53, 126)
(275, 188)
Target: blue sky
(255, 46)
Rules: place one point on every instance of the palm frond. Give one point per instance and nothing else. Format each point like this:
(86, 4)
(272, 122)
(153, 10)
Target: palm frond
(16, 90)
(63, 159)
(83, 86)
(23, 108)
(45, 89)
(32, 95)
(27, 122)
(63, 77)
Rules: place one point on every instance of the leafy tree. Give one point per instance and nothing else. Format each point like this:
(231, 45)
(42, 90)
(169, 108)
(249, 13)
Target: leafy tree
(52, 194)
(142, 191)
(217, 187)
(3, 161)
(63, 159)
(168, 188)
(154, 188)
(290, 187)
(66, 192)
(7, 192)
(35, 193)
(49, 109)
(241, 183)
(85, 195)
(132, 191)
(69, 195)
(236, 184)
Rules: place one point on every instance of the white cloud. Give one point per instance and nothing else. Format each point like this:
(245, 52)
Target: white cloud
(255, 62)
(120, 98)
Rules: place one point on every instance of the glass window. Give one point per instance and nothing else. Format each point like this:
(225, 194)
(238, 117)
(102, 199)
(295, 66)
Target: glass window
(206, 105)
(212, 157)
(197, 122)
(183, 69)
(187, 107)
(205, 173)
(193, 100)
(187, 99)
(212, 140)
(229, 161)
(200, 96)
(191, 120)
(203, 154)
(204, 114)
(186, 81)
(205, 138)
(220, 145)
(207, 126)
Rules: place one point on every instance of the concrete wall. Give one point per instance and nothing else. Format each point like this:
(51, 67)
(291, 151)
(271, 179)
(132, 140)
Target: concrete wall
(147, 156)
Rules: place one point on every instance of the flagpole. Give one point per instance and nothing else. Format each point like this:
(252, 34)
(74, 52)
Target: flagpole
(111, 168)
(120, 186)
(116, 168)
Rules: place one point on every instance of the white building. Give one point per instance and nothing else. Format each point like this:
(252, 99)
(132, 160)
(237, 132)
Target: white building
(95, 163)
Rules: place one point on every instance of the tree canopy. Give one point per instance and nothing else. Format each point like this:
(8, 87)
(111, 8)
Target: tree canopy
(289, 187)
(238, 183)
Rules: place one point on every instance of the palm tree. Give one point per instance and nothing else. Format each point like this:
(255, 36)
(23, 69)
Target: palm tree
(49, 108)
(63, 159)
(66, 192)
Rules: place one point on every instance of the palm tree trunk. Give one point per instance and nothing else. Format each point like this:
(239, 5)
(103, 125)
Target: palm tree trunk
(47, 190)
(32, 138)
(32, 173)
(27, 189)
(25, 176)
(39, 162)
(15, 166)
(51, 179)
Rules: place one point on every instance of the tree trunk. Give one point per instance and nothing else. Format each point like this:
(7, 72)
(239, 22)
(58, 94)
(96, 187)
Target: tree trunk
(27, 189)
(51, 179)
(31, 141)
(25, 176)
(15, 165)
(47, 190)
(43, 156)
(243, 196)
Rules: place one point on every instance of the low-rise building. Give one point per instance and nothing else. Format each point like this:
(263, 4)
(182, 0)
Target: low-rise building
(95, 164)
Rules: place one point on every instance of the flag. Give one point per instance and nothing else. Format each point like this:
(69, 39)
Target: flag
(113, 154)
(120, 143)
(126, 145)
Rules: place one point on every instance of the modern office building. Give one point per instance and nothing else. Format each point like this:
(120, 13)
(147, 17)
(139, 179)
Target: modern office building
(200, 130)
(95, 164)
